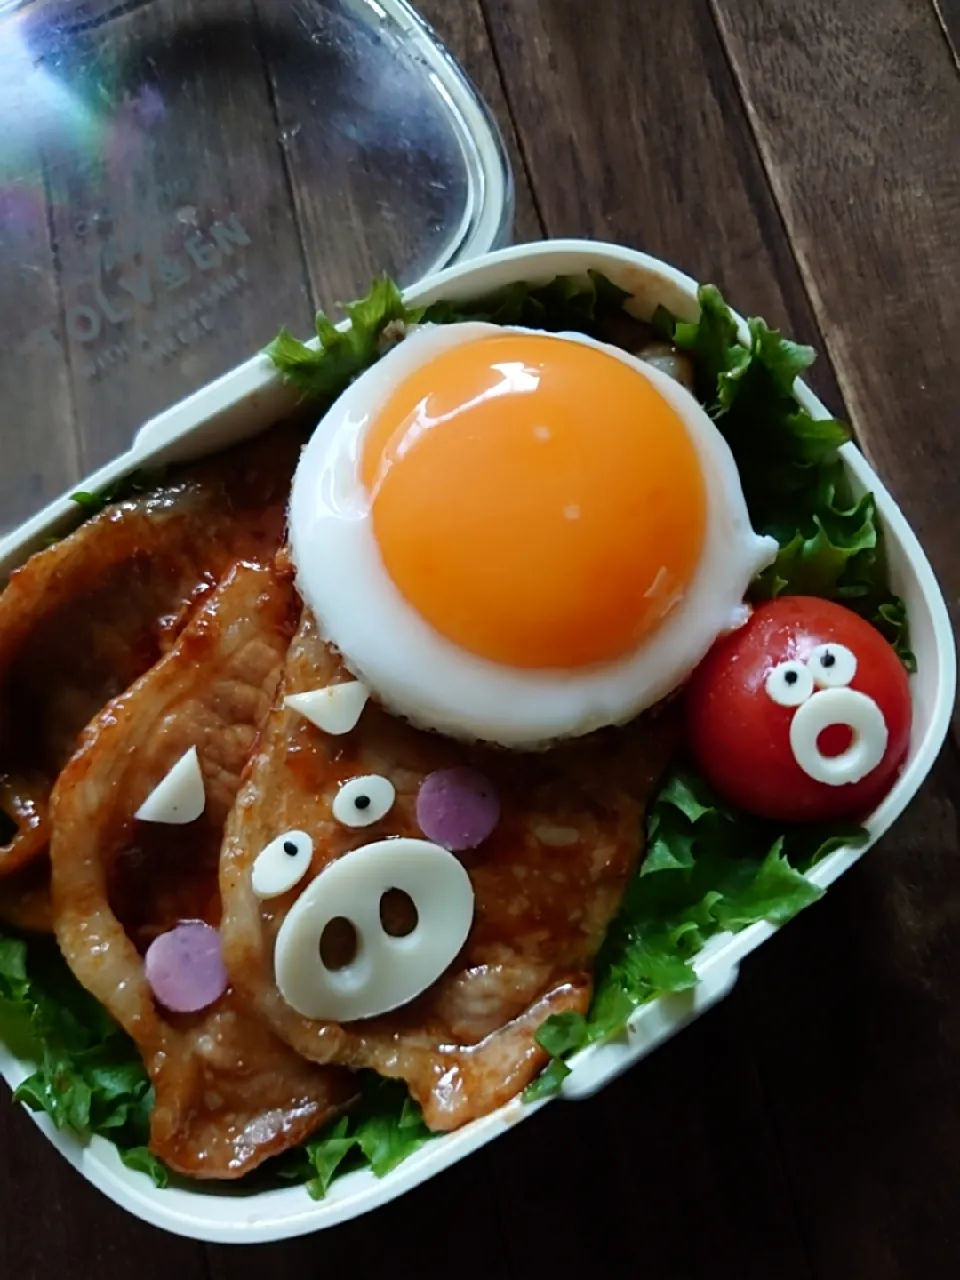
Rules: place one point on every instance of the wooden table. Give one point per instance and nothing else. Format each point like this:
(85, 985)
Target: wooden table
(804, 157)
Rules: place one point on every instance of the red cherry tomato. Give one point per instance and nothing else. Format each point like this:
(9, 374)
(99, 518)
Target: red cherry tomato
(839, 758)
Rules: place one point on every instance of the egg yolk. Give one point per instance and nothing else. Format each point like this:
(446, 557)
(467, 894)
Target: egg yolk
(536, 500)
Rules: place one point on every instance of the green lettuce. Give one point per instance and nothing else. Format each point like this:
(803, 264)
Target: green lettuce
(321, 373)
(324, 372)
(132, 485)
(707, 868)
(89, 1078)
(796, 486)
(379, 1133)
(576, 303)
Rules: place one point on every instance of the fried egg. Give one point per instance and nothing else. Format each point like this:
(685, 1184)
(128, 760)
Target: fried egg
(514, 536)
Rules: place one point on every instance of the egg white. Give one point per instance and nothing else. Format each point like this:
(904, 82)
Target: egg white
(419, 674)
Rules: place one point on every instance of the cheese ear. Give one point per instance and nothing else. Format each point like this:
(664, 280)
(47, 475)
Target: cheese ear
(334, 709)
(179, 797)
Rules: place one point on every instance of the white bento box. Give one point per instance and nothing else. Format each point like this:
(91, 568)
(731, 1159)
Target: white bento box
(252, 398)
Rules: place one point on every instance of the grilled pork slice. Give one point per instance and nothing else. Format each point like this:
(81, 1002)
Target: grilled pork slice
(547, 884)
(80, 621)
(229, 1093)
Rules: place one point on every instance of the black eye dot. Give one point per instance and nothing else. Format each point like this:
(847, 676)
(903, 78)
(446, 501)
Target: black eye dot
(362, 802)
(790, 677)
(290, 847)
(828, 659)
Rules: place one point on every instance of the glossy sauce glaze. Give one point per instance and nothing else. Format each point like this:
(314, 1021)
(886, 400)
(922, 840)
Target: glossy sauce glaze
(229, 1093)
(546, 884)
(80, 621)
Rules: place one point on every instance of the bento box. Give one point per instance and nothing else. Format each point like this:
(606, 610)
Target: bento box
(251, 398)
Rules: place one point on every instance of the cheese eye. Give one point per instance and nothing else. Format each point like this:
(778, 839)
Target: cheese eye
(282, 864)
(335, 709)
(363, 801)
(789, 684)
(373, 930)
(832, 666)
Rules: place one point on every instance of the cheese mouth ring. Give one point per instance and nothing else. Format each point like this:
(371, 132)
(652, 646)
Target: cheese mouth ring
(849, 709)
(386, 971)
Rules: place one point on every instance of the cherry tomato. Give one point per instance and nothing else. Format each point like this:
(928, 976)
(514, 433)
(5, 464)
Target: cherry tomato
(802, 714)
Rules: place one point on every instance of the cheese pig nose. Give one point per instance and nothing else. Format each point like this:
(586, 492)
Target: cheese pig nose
(372, 970)
(848, 709)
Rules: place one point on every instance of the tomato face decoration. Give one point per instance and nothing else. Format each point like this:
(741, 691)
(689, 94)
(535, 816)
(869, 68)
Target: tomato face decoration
(801, 715)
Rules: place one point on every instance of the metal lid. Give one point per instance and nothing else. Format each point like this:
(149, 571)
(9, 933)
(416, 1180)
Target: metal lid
(178, 178)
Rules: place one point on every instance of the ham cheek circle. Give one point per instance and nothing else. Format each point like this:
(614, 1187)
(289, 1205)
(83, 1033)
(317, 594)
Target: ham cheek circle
(457, 808)
(185, 967)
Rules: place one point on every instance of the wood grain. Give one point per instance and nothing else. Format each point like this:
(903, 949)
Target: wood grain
(855, 1022)
(872, 206)
(633, 131)
(38, 446)
(641, 1179)
(463, 30)
(948, 15)
(54, 1224)
(177, 247)
(380, 184)
(856, 1005)
(423, 1234)
(804, 157)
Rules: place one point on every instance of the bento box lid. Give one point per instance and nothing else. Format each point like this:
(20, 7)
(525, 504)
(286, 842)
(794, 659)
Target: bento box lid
(179, 178)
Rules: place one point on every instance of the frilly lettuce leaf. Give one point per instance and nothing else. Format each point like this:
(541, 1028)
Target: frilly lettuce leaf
(797, 489)
(707, 869)
(89, 1077)
(322, 374)
(381, 1132)
(574, 303)
(568, 302)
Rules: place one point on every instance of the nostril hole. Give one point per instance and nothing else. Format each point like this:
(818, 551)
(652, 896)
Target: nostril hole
(834, 740)
(398, 913)
(339, 944)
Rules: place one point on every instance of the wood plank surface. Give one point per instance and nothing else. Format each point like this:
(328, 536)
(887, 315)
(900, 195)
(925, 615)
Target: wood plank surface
(38, 444)
(857, 1008)
(389, 162)
(948, 15)
(872, 206)
(623, 145)
(804, 158)
(463, 29)
(170, 230)
(54, 1224)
